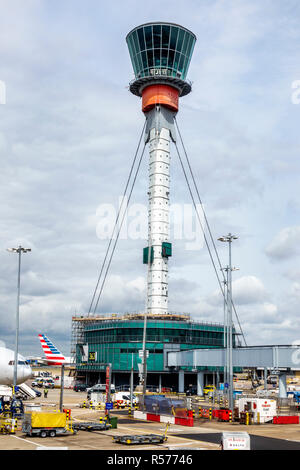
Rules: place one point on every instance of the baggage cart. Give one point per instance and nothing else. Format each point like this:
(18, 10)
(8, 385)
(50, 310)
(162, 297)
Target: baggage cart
(45, 424)
(140, 439)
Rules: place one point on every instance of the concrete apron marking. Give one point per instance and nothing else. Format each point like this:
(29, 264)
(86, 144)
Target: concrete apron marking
(180, 444)
(26, 440)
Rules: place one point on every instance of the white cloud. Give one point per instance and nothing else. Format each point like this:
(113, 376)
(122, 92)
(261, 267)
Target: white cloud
(248, 290)
(286, 244)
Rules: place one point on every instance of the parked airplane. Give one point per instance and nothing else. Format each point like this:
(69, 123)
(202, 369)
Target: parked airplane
(7, 361)
(53, 356)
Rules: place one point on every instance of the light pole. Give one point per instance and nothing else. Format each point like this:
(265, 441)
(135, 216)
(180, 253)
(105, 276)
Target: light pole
(228, 239)
(225, 329)
(18, 250)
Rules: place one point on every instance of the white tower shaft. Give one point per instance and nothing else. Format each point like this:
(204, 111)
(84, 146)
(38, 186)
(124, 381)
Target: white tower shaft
(160, 131)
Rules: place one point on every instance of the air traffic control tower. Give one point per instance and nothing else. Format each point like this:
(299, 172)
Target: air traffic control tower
(160, 55)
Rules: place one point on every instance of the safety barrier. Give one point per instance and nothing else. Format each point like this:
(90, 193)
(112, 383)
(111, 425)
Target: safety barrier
(103, 419)
(286, 420)
(92, 405)
(182, 421)
(223, 415)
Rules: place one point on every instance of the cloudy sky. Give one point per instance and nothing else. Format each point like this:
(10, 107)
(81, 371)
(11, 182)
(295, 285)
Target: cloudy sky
(69, 130)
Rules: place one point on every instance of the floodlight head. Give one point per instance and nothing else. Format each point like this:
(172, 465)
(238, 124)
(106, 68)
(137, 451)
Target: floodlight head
(160, 54)
(18, 250)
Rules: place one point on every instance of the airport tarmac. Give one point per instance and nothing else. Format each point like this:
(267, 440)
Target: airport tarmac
(205, 435)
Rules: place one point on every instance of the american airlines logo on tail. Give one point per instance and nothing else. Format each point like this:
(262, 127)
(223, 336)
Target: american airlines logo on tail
(53, 355)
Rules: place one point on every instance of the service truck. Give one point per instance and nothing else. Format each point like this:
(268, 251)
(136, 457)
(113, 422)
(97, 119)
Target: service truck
(263, 409)
(43, 424)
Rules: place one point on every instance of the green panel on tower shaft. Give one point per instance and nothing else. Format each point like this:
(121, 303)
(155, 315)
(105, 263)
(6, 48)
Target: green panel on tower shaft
(145, 255)
(166, 249)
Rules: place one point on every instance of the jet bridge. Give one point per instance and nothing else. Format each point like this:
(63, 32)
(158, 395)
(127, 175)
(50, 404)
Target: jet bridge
(279, 359)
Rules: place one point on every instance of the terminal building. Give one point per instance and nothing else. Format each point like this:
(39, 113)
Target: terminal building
(118, 340)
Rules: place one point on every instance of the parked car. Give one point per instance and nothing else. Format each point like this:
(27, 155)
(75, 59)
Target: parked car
(37, 383)
(80, 387)
(192, 390)
(101, 388)
(49, 383)
(43, 382)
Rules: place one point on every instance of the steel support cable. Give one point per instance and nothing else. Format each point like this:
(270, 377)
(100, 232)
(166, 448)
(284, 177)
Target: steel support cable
(118, 233)
(196, 187)
(201, 225)
(118, 215)
(208, 226)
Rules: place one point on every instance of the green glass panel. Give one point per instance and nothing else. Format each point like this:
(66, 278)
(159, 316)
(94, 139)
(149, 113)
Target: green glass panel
(180, 40)
(171, 59)
(164, 57)
(132, 53)
(165, 36)
(148, 37)
(185, 66)
(176, 60)
(139, 61)
(157, 57)
(136, 42)
(173, 39)
(190, 49)
(185, 42)
(150, 58)
(141, 38)
(157, 36)
(144, 61)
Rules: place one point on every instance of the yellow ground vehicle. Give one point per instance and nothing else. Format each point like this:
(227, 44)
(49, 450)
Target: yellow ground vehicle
(209, 388)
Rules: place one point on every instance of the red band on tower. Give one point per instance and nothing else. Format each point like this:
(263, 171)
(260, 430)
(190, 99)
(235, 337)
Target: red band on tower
(160, 94)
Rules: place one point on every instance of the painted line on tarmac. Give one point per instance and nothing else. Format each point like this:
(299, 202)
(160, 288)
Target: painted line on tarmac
(188, 443)
(26, 440)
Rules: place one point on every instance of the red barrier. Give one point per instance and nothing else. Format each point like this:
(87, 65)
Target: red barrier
(185, 421)
(221, 415)
(286, 420)
(153, 417)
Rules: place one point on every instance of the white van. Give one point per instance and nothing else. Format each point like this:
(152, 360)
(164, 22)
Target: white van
(123, 398)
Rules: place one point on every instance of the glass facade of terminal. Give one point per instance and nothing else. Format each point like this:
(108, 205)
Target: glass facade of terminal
(160, 49)
(119, 342)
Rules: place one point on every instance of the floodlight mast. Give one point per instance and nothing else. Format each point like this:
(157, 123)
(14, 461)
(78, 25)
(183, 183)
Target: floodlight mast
(18, 250)
(160, 54)
(229, 343)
